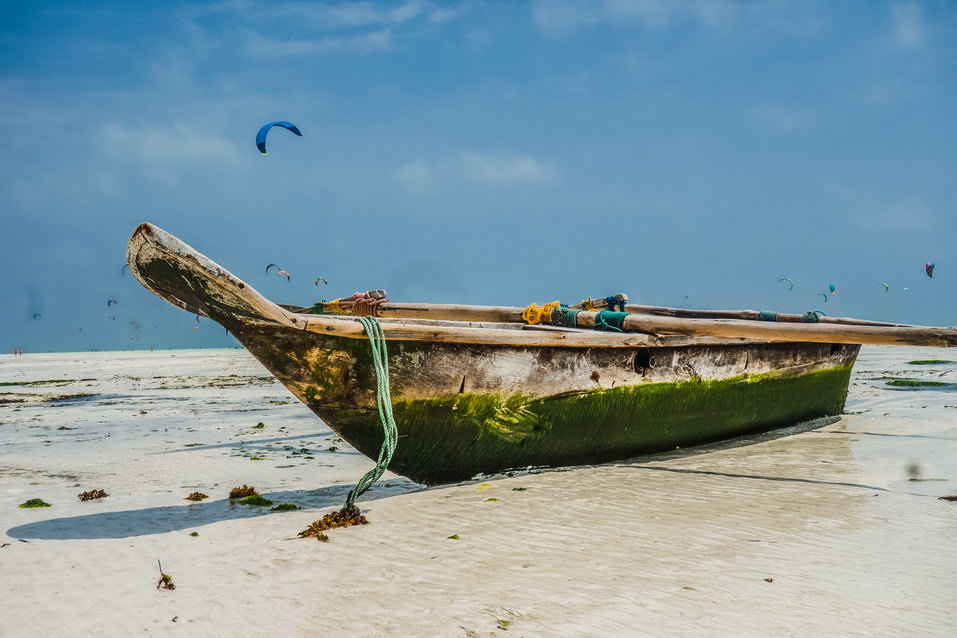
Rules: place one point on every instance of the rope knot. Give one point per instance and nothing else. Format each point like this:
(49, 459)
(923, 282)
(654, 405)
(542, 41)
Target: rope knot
(615, 303)
(534, 313)
(366, 306)
(565, 317)
(334, 307)
(609, 320)
(812, 316)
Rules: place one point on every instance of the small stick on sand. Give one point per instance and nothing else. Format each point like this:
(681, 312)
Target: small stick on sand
(165, 581)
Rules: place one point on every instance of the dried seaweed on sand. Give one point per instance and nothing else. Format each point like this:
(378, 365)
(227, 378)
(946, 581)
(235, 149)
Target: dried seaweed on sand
(242, 492)
(340, 518)
(92, 495)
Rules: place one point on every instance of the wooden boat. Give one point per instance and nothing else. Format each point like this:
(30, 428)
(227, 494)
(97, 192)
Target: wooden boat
(477, 390)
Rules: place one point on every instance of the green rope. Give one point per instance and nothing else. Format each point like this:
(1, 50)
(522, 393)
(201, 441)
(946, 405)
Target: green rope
(812, 316)
(608, 320)
(565, 317)
(380, 357)
(765, 315)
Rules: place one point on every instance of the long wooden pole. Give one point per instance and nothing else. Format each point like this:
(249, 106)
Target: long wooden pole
(752, 315)
(696, 327)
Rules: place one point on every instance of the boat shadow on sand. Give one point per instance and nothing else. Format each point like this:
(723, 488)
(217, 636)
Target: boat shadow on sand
(160, 520)
(172, 518)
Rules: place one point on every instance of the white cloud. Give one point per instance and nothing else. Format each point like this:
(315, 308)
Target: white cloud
(787, 118)
(475, 168)
(557, 17)
(261, 46)
(561, 17)
(348, 14)
(166, 153)
(908, 215)
(908, 22)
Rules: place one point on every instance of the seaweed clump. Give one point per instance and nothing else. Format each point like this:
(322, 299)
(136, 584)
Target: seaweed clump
(196, 496)
(915, 383)
(35, 502)
(241, 492)
(255, 499)
(285, 507)
(340, 518)
(928, 362)
(92, 495)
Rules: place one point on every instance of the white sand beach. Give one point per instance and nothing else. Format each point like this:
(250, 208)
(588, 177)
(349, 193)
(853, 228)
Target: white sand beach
(815, 530)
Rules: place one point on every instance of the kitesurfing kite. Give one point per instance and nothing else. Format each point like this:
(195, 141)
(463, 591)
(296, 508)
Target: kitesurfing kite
(124, 269)
(37, 315)
(276, 266)
(790, 283)
(197, 318)
(111, 318)
(135, 325)
(323, 280)
(929, 269)
(832, 288)
(261, 135)
(196, 329)
(110, 302)
(821, 294)
(283, 272)
(886, 287)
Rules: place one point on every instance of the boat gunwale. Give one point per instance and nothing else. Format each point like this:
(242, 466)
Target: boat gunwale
(505, 334)
(261, 313)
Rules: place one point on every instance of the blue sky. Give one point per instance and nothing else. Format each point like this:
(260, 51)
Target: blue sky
(478, 152)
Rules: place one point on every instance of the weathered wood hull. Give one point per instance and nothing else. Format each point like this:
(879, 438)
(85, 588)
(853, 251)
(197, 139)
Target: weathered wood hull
(464, 408)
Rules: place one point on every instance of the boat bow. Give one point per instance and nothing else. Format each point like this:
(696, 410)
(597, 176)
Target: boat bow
(189, 280)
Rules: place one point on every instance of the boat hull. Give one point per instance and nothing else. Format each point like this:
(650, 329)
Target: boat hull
(483, 398)
(462, 410)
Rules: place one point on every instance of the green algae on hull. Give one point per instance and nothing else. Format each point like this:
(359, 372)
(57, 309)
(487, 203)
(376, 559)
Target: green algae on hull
(929, 362)
(453, 438)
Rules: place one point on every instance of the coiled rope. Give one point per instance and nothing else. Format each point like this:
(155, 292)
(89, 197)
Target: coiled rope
(609, 320)
(565, 317)
(812, 316)
(534, 313)
(380, 357)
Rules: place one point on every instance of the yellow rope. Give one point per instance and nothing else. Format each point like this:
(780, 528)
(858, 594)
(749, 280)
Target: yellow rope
(589, 305)
(535, 314)
(333, 306)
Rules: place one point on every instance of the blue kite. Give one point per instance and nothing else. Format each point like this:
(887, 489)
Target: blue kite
(261, 135)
